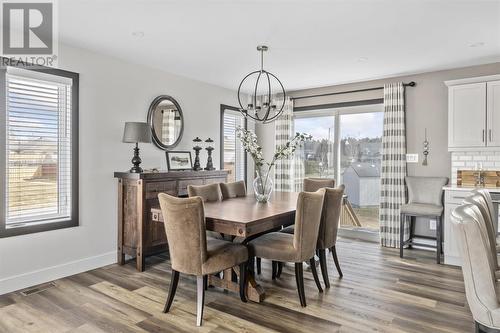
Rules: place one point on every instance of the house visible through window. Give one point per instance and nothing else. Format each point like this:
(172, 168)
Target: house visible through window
(233, 155)
(40, 191)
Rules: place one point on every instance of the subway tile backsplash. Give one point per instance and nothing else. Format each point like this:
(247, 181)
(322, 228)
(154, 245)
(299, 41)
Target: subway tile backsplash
(468, 160)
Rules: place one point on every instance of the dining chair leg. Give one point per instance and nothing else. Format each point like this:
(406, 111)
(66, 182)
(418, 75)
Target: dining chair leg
(439, 242)
(402, 219)
(324, 267)
(299, 278)
(205, 282)
(251, 265)
(171, 293)
(258, 266)
(280, 269)
(315, 274)
(200, 299)
(333, 250)
(243, 282)
(274, 269)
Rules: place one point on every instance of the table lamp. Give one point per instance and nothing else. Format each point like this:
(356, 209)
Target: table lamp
(135, 132)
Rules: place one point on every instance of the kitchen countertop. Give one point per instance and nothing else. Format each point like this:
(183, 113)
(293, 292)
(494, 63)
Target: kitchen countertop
(468, 188)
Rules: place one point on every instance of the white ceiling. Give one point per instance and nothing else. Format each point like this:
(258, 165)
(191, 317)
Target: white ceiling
(312, 43)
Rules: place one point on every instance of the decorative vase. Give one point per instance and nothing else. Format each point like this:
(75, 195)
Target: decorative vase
(263, 187)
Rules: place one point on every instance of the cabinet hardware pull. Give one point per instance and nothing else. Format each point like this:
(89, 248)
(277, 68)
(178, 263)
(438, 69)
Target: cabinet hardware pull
(483, 135)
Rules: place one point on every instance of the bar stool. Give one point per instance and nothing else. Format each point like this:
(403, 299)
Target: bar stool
(425, 199)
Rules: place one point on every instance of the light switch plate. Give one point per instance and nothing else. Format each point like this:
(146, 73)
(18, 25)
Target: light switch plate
(432, 224)
(411, 158)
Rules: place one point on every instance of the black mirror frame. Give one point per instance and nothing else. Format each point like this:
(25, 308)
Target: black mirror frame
(151, 111)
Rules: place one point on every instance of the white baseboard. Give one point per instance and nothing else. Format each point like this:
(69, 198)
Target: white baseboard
(453, 261)
(25, 280)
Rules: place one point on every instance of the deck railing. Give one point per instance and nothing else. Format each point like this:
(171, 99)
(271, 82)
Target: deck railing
(347, 215)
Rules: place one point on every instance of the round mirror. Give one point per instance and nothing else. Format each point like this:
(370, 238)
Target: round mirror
(166, 121)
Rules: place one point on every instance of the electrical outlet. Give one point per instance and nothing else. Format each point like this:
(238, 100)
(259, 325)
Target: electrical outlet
(411, 158)
(432, 224)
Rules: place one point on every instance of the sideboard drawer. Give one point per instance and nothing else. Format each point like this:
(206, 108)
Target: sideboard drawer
(163, 186)
(183, 184)
(215, 180)
(154, 188)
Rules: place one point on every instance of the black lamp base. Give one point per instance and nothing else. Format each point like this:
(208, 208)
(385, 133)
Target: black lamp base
(136, 161)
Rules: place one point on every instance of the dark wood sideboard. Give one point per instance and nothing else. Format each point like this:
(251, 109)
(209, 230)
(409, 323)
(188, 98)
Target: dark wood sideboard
(138, 235)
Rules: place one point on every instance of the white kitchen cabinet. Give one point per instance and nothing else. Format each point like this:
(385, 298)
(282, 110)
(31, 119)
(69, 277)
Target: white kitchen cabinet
(493, 113)
(452, 199)
(474, 113)
(467, 115)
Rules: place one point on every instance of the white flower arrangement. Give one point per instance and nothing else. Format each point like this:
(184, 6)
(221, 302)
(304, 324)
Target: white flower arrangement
(249, 141)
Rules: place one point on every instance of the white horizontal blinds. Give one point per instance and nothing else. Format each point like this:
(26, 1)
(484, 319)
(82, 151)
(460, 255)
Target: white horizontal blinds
(38, 130)
(234, 154)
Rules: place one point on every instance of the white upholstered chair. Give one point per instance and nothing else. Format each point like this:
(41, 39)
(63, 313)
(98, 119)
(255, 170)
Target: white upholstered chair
(479, 277)
(494, 217)
(480, 201)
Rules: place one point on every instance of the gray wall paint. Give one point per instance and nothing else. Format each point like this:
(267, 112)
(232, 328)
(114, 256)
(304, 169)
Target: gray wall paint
(426, 107)
(111, 92)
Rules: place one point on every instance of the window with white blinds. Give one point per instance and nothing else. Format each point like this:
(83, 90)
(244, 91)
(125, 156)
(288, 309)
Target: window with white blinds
(38, 150)
(233, 152)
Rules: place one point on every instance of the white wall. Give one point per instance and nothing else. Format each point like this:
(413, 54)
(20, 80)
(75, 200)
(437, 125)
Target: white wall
(111, 92)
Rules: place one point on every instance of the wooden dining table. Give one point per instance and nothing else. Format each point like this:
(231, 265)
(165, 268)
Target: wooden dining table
(245, 219)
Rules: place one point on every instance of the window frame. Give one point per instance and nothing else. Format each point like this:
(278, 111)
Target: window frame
(224, 107)
(337, 110)
(39, 226)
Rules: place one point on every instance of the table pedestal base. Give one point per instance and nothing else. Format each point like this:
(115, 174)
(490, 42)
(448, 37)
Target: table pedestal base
(254, 292)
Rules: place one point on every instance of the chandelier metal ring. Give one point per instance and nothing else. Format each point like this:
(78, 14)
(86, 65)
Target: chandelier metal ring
(253, 109)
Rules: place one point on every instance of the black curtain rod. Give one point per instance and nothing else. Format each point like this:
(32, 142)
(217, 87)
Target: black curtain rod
(410, 84)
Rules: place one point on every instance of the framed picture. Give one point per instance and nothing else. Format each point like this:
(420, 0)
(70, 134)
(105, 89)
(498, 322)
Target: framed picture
(179, 160)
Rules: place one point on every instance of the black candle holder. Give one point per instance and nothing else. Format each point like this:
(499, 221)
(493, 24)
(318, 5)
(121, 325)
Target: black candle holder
(209, 149)
(197, 142)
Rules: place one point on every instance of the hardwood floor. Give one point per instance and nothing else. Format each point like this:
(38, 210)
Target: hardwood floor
(379, 292)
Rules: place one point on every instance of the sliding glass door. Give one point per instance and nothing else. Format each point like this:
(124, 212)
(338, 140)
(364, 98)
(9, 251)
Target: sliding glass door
(360, 162)
(318, 155)
(346, 145)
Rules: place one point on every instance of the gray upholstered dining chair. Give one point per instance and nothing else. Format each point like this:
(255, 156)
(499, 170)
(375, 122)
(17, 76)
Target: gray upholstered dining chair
(327, 236)
(425, 199)
(299, 247)
(488, 228)
(314, 184)
(233, 190)
(479, 278)
(208, 193)
(192, 253)
(492, 213)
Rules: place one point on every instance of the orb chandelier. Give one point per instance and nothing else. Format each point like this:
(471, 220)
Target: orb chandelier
(262, 105)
